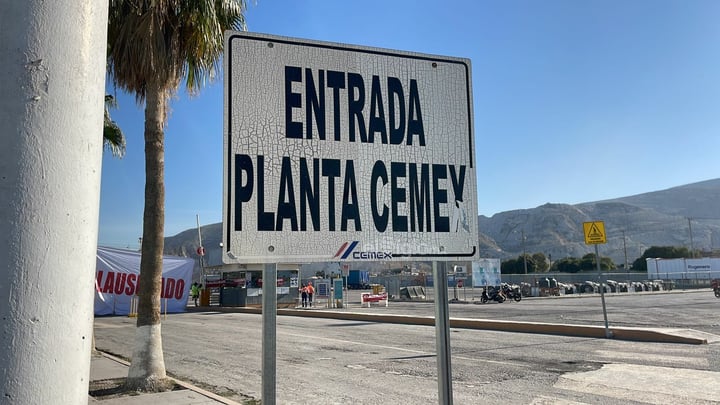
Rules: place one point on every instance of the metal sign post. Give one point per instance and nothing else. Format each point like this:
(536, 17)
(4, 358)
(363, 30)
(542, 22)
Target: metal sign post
(269, 327)
(608, 334)
(442, 334)
(318, 134)
(594, 233)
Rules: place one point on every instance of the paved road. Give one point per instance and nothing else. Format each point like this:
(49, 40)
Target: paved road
(324, 361)
(694, 309)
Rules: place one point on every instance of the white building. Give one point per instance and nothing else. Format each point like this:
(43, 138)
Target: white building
(701, 268)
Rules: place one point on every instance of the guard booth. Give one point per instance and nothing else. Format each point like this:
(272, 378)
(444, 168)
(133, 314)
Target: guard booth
(242, 285)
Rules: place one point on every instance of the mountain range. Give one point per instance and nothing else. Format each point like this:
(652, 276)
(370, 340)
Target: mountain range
(687, 215)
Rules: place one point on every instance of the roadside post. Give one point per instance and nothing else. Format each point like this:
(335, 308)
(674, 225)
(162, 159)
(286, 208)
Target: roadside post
(594, 235)
(269, 332)
(338, 296)
(345, 153)
(442, 333)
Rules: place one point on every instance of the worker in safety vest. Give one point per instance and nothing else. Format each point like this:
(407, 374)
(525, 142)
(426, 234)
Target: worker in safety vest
(195, 292)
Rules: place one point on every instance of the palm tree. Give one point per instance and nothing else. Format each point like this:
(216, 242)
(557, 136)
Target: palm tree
(113, 140)
(113, 137)
(153, 45)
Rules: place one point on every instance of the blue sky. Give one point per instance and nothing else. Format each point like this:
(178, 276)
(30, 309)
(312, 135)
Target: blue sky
(574, 101)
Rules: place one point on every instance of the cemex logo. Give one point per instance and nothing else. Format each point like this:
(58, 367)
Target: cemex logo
(348, 248)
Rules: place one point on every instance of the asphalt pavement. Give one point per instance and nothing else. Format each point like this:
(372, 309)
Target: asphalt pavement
(108, 368)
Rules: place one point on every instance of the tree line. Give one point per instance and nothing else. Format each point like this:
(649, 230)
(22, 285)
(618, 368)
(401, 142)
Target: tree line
(539, 263)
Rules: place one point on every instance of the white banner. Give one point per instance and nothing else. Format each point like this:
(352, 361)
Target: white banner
(116, 281)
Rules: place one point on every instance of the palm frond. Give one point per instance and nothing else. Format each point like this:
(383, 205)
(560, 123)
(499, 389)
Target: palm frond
(113, 137)
(166, 41)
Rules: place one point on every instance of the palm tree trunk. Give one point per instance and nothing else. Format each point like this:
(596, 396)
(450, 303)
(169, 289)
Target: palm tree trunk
(147, 369)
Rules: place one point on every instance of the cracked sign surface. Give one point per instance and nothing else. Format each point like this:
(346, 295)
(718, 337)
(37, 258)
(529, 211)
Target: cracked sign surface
(336, 152)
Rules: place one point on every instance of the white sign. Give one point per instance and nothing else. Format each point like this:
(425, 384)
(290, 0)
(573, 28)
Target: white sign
(486, 272)
(336, 152)
(459, 269)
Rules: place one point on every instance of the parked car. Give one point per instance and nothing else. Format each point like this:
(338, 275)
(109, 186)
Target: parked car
(588, 287)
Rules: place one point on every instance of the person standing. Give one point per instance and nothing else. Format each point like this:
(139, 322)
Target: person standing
(310, 291)
(304, 295)
(195, 292)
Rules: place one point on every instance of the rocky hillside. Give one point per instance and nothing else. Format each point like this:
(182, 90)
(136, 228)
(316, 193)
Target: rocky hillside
(632, 224)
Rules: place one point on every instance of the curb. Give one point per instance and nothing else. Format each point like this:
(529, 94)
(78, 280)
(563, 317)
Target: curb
(183, 384)
(656, 335)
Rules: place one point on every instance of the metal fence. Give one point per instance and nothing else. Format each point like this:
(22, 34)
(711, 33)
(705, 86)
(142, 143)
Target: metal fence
(682, 280)
(690, 280)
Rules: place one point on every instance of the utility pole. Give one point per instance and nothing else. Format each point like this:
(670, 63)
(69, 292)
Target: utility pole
(625, 250)
(627, 269)
(524, 254)
(549, 261)
(712, 245)
(201, 252)
(52, 56)
(692, 245)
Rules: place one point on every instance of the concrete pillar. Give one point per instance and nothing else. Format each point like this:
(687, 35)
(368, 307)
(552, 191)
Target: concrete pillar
(52, 59)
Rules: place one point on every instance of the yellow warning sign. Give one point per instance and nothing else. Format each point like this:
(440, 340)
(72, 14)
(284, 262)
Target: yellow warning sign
(594, 232)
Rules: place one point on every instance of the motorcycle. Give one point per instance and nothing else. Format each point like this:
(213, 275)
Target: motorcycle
(716, 287)
(511, 292)
(492, 294)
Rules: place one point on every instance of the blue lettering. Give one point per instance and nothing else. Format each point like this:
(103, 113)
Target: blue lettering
(458, 183)
(315, 101)
(336, 81)
(400, 222)
(377, 113)
(243, 165)
(286, 198)
(331, 169)
(378, 173)
(419, 198)
(266, 220)
(292, 100)
(350, 199)
(402, 122)
(415, 124)
(395, 92)
(308, 196)
(442, 223)
(417, 194)
(356, 85)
